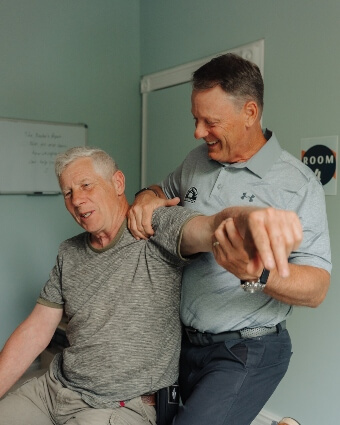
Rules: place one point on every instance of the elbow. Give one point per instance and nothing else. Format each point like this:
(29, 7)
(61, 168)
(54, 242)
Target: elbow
(321, 292)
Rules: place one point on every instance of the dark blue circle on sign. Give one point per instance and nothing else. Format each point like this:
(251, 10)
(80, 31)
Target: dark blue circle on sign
(321, 160)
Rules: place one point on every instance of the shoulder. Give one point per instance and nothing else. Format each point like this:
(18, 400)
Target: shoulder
(298, 170)
(166, 218)
(198, 154)
(75, 242)
(168, 223)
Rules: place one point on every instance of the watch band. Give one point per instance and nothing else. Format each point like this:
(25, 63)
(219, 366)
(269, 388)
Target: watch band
(258, 285)
(146, 188)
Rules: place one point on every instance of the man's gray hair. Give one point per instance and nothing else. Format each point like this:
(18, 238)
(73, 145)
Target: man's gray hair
(102, 162)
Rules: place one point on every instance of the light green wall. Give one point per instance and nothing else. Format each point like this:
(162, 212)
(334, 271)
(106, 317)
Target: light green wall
(79, 61)
(302, 98)
(64, 61)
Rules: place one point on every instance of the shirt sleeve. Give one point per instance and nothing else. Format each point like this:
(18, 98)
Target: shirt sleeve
(51, 293)
(311, 208)
(168, 224)
(171, 184)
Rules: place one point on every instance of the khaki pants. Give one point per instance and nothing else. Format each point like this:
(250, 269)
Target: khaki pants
(44, 401)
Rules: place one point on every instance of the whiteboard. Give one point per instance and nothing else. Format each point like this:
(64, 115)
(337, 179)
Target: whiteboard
(27, 154)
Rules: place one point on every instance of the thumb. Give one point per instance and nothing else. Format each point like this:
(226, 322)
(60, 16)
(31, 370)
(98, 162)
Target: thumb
(172, 202)
(255, 265)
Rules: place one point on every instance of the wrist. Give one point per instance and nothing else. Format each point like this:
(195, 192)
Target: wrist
(146, 188)
(257, 285)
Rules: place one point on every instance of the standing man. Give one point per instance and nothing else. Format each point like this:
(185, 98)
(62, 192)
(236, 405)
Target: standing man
(228, 373)
(121, 298)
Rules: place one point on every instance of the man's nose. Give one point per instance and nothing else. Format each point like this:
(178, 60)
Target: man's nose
(200, 131)
(77, 198)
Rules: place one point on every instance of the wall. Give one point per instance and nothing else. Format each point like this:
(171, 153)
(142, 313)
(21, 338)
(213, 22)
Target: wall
(302, 97)
(64, 61)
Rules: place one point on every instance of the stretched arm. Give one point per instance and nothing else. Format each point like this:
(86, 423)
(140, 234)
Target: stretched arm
(140, 213)
(26, 343)
(261, 237)
(305, 285)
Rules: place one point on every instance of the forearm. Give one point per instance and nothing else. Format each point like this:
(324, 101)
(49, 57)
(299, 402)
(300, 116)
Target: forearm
(198, 233)
(26, 343)
(17, 355)
(305, 286)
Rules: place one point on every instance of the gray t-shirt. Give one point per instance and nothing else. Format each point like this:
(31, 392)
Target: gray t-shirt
(122, 303)
(212, 299)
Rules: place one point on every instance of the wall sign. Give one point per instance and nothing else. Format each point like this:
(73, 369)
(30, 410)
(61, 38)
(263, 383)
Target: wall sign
(319, 154)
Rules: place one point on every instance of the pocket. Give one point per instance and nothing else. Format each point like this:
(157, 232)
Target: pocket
(68, 403)
(238, 351)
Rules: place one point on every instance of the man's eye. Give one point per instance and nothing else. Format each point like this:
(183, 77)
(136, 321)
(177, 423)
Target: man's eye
(67, 194)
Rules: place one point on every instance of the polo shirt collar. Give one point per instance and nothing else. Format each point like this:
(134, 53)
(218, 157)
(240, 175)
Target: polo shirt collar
(263, 160)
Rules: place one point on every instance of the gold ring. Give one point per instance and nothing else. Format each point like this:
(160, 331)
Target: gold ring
(216, 243)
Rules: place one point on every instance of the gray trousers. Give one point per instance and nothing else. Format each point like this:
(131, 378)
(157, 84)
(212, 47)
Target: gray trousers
(44, 401)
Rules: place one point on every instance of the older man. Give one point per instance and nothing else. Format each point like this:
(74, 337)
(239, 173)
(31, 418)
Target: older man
(121, 298)
(238, 164)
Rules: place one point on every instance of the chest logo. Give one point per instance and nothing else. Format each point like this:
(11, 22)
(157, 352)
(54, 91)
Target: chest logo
(245, 196)
(191, 195)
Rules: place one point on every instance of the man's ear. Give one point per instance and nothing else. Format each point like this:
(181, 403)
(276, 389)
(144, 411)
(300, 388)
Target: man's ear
(251, 111)
(118, 180)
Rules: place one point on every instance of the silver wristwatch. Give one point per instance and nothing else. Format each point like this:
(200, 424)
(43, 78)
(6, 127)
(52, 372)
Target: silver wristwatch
(258, 285)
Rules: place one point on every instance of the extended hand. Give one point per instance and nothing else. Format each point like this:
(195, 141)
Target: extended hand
(232, 253)
(270, 235)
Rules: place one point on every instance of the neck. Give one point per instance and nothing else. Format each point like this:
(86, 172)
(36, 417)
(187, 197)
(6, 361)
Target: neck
(104, 238)
(254, 143)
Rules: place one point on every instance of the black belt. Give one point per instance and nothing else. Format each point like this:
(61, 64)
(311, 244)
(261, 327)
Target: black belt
(205, 338)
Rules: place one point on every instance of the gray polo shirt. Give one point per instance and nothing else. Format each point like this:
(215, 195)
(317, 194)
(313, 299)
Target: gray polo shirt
(212, 299)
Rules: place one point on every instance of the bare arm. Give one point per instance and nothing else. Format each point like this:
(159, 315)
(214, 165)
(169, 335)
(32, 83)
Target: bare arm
(261, 237)
(140, 213)
(26, 343)
(303, 286)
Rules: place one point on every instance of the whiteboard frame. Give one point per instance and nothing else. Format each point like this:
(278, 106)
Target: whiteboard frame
(182, 74)
(37, 122)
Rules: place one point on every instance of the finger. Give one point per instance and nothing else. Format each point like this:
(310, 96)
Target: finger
(232, 234)
(133, 227)
(259, 235)
(255, 266)
(221, 236)
(138, 230)
(285, 237)
(298, 232)
(272, 234)
(146, 224)
(171, 202)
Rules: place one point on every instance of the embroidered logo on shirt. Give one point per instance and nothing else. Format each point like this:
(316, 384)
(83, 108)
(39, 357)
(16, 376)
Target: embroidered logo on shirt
(191, 195)
(250, 198)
